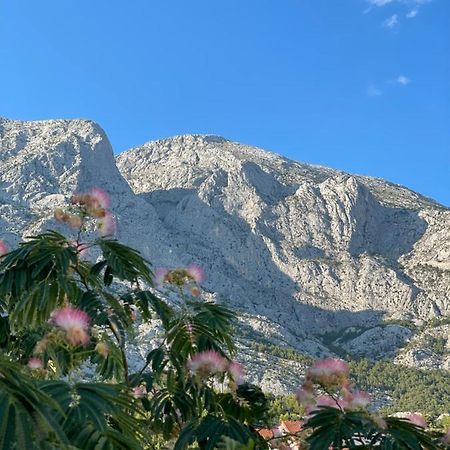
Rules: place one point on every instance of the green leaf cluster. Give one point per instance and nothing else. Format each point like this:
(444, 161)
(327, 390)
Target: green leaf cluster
(356, 430)
(50, 408)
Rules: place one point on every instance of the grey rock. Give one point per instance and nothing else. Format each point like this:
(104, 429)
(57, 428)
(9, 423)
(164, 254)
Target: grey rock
(311, 248)
(429, 348)
(300, 251)
(378, 341)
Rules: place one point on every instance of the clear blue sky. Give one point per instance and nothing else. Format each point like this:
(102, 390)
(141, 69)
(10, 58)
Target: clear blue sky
(359, 85)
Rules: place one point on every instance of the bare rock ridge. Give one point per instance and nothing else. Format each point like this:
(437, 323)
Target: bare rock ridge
(301, 250)
(321, 237)
(42, 163)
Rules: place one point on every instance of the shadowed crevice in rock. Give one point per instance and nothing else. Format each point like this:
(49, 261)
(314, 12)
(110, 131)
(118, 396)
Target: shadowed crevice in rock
(268, 188)
(225, 244)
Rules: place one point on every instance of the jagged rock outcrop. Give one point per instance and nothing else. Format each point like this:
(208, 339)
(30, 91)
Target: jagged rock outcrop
(328, 249)
(378, 342)
(42, 163)
(302, 251)
(429, 348)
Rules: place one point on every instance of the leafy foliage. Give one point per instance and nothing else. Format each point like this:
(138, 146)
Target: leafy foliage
(356, 430)
(60, 311)
(26, 412)
(284, 408)
(410, 389)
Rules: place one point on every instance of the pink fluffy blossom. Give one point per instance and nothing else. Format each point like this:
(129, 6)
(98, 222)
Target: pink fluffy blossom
(82, 249)
(329, 372)
(416, 419)
(107, 225)
(236, 372)
(195, 291)
(75, 221)
(3, 248)
(74, 322)
(380, 422)
(161, 275)
(357, 400)
(35, 363)
(139, 391)
(207, 363)
(60, 215)
(326, 400)
(102, 349)
(100, 197)
(196, 273)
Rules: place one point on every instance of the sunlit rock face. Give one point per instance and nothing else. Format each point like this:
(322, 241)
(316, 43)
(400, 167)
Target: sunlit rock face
(304, 252)
(312, 248)
(42, 163)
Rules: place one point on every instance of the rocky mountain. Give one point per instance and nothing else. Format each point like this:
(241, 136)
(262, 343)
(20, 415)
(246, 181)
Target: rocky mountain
(313, 258)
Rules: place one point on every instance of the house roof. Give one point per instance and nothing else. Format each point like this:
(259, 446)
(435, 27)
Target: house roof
(291, 426)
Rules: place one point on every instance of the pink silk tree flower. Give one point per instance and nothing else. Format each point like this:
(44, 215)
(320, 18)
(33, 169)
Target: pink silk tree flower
(74, 322)
(35, 363)
(380, 422)
(82, 249)
(416, 419)
(357, 400)
(207, 363)
(236, 372)
(160, 276)
(196, 273)
(75, 221)
(305, 396)
(329, 372)
(100, 198)
(326, 400)
(107, 225)
(102, 349)
(195, 291)
(59, 215)
(3, 248)
(139, 392)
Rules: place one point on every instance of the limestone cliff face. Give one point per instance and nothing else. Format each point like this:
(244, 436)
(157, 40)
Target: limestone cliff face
(42, 163)
(302, 251)
(308, 246)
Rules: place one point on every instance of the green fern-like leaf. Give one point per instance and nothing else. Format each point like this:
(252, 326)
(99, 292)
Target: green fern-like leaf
(124, 262)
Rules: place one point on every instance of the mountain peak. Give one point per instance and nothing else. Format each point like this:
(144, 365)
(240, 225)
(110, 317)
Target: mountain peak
(59, 156)
(61, 123)
(305, 249)
(186, 140)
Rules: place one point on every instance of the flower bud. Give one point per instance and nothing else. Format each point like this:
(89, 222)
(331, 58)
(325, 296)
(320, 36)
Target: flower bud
(102, 349)
(35, 363)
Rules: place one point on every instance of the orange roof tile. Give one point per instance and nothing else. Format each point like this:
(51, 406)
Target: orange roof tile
(291, 426)
(265, 433)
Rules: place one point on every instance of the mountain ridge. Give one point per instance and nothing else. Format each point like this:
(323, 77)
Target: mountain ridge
(211, 138)
(300, 251)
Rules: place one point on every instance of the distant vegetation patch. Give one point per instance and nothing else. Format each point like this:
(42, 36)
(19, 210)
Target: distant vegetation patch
(410, 389)
(404, 388)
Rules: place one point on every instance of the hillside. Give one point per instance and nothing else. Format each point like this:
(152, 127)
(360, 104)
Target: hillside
(313, 258)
